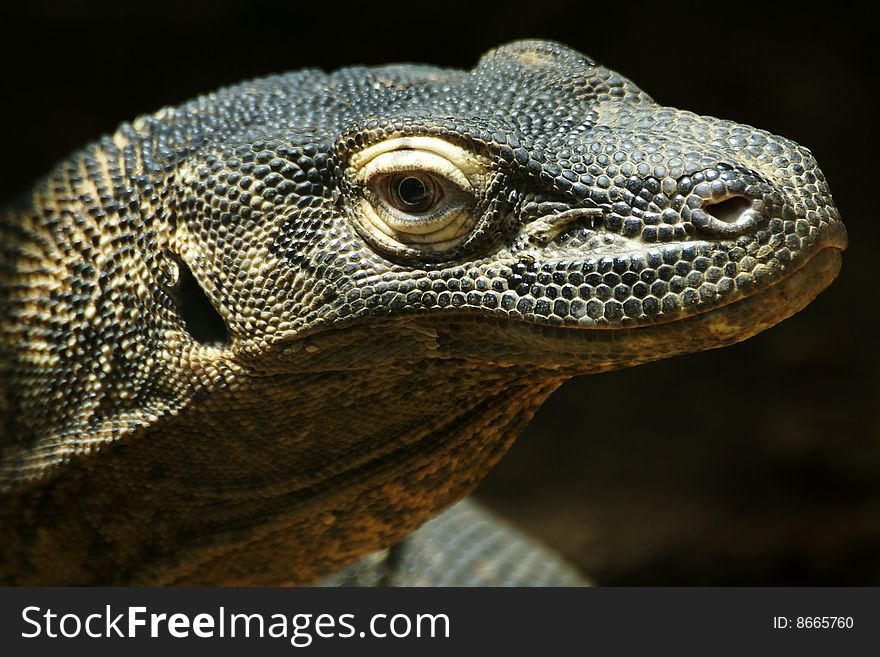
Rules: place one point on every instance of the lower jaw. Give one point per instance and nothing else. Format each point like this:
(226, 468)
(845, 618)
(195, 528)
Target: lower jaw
(766, 307)
(491, 341)
(728, 324)
(573, 351)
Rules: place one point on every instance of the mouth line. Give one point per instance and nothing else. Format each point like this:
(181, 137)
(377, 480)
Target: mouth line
(832, 237)
(754, 312)
(792, 289)
(570, 350)
(827, 249)
(575, 350)
(743, 297)
(776, 300)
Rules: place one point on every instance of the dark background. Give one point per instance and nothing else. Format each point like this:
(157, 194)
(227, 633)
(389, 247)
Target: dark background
(756, 464)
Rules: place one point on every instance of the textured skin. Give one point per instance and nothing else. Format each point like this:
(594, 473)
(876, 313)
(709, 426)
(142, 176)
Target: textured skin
(463, 546)
(358, 383)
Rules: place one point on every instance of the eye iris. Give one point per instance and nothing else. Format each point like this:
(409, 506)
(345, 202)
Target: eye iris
(414, 193)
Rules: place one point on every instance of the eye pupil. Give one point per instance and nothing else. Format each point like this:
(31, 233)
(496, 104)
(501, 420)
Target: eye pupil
(414, 193)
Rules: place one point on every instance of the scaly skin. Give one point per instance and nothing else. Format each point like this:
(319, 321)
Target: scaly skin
(227, 359)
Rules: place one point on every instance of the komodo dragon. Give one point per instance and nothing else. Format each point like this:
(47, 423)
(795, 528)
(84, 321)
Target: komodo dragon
(254, 338)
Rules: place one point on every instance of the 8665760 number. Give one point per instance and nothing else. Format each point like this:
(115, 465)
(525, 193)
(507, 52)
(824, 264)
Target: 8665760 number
(813, 622)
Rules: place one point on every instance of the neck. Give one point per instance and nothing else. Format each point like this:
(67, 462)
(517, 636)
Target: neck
(312, 472)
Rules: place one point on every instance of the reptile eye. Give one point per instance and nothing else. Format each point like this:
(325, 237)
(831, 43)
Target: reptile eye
(413, 192)
(418, 194)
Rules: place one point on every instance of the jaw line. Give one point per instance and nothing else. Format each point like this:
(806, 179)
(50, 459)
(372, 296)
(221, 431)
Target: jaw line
(586, 350)
(487, 340)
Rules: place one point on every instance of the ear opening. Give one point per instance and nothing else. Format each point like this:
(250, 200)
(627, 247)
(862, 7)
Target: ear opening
(199, 315)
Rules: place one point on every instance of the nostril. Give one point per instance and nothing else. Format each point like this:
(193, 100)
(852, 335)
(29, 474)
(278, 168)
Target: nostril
(730, 210)
(728, 218)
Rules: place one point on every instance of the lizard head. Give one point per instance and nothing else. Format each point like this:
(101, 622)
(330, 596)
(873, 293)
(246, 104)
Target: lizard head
(313, 309)
(539, 196)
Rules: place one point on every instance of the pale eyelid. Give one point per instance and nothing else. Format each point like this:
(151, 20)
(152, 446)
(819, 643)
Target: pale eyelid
(412, 160)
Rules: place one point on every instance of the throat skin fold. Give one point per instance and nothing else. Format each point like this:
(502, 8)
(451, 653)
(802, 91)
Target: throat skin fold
(267, 503)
